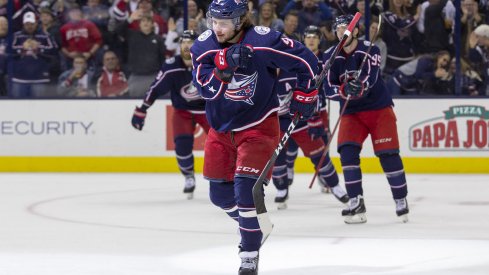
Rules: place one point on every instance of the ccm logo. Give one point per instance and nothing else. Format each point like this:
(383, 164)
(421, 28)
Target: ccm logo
(247, 169)
(382, 140)
(221, 57)
(302, 98)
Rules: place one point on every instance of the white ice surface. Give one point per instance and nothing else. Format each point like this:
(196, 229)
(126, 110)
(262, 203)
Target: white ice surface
(142, 224)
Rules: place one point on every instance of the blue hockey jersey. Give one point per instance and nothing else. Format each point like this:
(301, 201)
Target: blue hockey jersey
(175, 77)
(250, 97)
(345, 66)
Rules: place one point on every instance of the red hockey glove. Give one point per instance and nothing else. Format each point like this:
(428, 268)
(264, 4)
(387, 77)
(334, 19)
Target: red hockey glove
(228, 60)
(138, 117)
(315, 127)
(353, 88)
(304, 102)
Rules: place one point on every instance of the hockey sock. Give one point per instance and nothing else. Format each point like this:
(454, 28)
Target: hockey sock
(185, 157)
(248, 223)
(394, 171)
(222, 195)
(279, 172)
(327, 172)
(292, 151)
(350, 161)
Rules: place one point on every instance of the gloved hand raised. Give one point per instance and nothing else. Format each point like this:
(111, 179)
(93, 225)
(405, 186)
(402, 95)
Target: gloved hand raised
(228, 60)
(138, 117)
(315, 127)
(353, 88)
(304, 102)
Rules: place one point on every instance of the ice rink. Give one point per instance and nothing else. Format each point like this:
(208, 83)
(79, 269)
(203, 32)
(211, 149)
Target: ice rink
(142, 224)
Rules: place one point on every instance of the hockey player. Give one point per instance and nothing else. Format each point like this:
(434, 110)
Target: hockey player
(310, 135)
(175, 76)
(235, 67)
(369, 111)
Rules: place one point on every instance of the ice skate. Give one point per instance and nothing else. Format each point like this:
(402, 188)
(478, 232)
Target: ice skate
(323, 187)
(281, 199)
(249, 263)
(189, 186)
(290, 176)
(356, 211)
(340, 194)
(402, 209)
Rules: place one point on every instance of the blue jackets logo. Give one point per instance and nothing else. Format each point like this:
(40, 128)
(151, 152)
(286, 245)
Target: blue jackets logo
(242, 88)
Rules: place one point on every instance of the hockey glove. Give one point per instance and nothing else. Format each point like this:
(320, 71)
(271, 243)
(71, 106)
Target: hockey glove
(228, 60)
(138, 117)
(315, 127)
(353, 88)
(304, 102)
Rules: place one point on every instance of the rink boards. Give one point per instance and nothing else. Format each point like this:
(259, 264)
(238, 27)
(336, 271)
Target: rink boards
(436, 136)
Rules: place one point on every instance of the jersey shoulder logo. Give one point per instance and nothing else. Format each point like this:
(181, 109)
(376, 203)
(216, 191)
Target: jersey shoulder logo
(366, 43)
(262, 30)
(170, 60)
(242, 88)
(205, 35)
(189, 92)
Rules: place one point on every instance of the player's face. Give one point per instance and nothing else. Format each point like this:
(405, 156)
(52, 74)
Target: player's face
(312, 42)
(185, 48)
(224, 29)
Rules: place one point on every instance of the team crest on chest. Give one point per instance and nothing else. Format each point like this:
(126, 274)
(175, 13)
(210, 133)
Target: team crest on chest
(205, 35)
(242, 88)
(262, 30)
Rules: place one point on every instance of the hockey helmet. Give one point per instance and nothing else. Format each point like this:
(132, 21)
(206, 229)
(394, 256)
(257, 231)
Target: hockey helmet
(312, 30)
(343, 20)
(188, 35)
(227, 9)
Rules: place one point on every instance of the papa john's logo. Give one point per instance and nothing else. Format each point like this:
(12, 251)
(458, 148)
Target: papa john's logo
(242, 88)
(462, 128)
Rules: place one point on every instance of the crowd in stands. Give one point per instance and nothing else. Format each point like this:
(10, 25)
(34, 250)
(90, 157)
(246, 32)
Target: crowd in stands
(114, 48)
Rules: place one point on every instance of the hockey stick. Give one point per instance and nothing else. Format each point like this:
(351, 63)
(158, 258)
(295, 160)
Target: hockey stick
(264, 221)
(356, 76)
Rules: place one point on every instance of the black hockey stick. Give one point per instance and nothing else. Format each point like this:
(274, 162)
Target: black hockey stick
(356, 76)
(264, 221)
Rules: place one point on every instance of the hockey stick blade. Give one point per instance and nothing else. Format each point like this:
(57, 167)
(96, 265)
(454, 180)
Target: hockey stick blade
(264, 221)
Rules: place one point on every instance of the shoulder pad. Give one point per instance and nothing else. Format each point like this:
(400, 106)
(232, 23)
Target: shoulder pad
(205, 35)
(262, 30)
(170, 60)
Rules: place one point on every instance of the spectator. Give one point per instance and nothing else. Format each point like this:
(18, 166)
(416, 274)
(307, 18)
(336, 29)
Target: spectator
(3, 8)
(3, 55)
(79, 37)
(34, 50)
(291, 22)
(479, 54)
(374, 23)
(76, 82)
(437, 27)
(329, 37)
(311, 13)
(397, 30)
(112, 82)
(194, 13)
(145, 55)
(268, 17)
(49, 25)
(133, 11)
(471, 18)
(435, 75)
(421, 75)
(471, 82)
(98, 14)
(445, 18)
